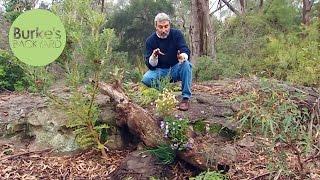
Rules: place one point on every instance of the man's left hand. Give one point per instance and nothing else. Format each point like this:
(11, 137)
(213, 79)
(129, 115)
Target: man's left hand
(181, 57)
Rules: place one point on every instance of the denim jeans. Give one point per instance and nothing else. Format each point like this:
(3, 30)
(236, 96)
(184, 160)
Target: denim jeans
(179, 72)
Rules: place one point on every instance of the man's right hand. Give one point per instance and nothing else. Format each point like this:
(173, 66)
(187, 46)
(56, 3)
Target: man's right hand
(156, 53)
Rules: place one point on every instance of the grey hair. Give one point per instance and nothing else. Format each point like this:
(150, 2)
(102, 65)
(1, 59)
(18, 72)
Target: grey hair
(161, 17)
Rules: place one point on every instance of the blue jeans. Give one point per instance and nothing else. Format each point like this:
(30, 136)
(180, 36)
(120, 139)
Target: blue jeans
(179, 72)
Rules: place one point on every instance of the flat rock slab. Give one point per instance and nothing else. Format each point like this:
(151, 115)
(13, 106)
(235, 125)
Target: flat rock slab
(140, 165)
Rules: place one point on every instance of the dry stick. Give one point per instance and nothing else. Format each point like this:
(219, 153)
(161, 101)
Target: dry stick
(25, 153)
(262, 175)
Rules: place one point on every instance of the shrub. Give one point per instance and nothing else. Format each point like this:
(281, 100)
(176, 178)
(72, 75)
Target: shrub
(12, 75)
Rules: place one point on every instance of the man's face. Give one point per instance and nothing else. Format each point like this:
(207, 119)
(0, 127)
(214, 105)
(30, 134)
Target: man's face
(163, 28)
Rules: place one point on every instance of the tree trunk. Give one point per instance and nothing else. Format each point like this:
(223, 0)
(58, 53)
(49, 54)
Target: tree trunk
(306, 11)
(201, 31)
(102, 6)
(202, 154)
(208, 35)
(195, 43)
(242, 6)
(261, 6)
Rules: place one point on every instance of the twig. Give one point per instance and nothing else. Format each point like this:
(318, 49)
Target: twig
(312, 157)
(262, 175)
(25, 153)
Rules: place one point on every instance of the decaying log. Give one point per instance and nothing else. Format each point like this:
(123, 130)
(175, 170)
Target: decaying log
(202, 154)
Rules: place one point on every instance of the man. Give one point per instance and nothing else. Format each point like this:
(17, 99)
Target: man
(168, 54)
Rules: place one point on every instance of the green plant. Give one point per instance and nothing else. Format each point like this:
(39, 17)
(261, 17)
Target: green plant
(176, 131)
(206, 69)
(165, 103)
(17, 76)
(164, 153)
(89, 47)
(294, 57)
(270, 110)
(164, 83)
(210, 175)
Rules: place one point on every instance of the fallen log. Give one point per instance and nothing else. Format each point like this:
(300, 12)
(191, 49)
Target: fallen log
(203, 154)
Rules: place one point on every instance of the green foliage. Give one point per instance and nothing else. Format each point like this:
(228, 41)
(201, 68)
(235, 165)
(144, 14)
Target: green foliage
(206, 69)
(272, 111)
(12, 76)
(141, 94)
(282, 14)
(164, 83)
(17, 76)
(164, 153)
(149, 95)
(294, 57)
(166, 103)
(88, 47)
(176, 130)
(271, 43)
(11, 14)
(137, 23)
(210, 175)
(199, 126)
(89, 50)
(83, 116)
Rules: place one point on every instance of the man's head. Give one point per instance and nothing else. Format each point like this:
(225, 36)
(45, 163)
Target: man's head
(162, 24)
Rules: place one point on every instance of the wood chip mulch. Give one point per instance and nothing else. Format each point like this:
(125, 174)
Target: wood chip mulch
(45, 164)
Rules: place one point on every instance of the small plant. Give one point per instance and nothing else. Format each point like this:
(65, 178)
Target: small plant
(210, 175)
(164, 153)
(89, 48)
(148, 96)
(176, 130)
(166, 103)
(141, 94)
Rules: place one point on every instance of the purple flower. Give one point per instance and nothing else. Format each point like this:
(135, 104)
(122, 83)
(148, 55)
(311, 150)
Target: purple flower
(162, 124)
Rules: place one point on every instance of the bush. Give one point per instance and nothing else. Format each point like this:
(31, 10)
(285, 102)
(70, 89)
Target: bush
(294, 57)
(12, 75)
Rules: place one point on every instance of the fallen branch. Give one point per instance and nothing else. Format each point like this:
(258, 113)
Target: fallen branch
(203, 154)
(25, 153)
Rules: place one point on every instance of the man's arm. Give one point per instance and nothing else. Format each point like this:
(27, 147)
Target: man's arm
(182, 46)
(150, 60)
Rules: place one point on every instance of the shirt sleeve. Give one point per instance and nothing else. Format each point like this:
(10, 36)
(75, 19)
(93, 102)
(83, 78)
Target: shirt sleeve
(147, 55)
(182, 45)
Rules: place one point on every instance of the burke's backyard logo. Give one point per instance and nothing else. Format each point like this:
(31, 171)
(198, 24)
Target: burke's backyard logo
(37, 37)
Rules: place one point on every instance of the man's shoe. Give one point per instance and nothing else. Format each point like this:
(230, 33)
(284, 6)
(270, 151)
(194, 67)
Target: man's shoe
(184, 105)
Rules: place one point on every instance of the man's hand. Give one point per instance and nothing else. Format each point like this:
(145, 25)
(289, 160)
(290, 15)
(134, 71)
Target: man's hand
(156, 53)
(180, 57)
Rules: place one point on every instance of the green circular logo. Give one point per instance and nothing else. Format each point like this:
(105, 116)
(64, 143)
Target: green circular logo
(37, 37)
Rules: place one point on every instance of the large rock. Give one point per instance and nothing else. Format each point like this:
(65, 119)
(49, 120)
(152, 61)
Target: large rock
(33, 116)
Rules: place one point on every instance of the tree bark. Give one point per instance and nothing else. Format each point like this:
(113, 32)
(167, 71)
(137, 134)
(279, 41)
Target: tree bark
(195, 44)
(102, 6)
(201, 30)
(261, 6)
(202, 154)
(242, 6)
(306, 12)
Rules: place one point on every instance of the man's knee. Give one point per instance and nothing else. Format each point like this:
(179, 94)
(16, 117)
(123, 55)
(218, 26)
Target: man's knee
(186, 65)
(146, 80)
